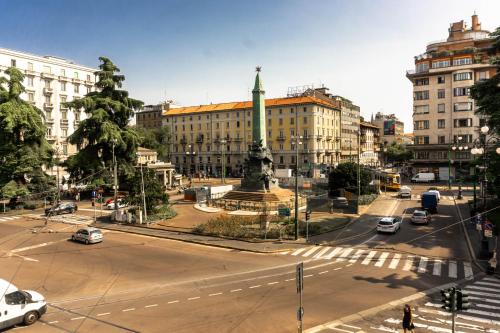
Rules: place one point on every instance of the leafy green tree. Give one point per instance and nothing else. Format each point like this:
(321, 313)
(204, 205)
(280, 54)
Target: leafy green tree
(109, 110)
(345, 176)
(397, 153)
(157, 139)
(23, 147)
(153, 190)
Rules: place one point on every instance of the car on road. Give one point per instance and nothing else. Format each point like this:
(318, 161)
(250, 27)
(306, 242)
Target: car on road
(61, 208)
(405, 192)
(436, 191)
(88, 236)
(19, 306)
(120, 204)
(389, 224)
(421, 217)
(339, 202)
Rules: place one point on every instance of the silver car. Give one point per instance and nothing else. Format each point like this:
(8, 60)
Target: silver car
(88, 236)
(421, 217)
(389, 224)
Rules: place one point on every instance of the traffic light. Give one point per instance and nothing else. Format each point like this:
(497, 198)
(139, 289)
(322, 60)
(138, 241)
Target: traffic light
(462, 300)
(448, 298)
(308, 215)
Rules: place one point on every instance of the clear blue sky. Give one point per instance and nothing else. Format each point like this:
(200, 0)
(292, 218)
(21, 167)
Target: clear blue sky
(197, 52)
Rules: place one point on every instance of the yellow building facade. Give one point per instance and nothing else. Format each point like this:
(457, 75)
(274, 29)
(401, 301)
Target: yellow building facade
(203, 136)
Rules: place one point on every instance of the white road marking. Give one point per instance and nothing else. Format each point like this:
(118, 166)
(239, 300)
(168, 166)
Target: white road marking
(311, 251)
(304, 275)
(172, 302)
(322, 272)
(336, 269)
(270, 283)
(284, 253)
(344, 254)
(490, 279)
(395, 261)
(333, 253)
(150, 305)
(408, 263)
(350, 326)
(479, 293)
(322, 252)
(23, 257)
(290, 280)
(30, 247)
(252, 287)
(234, 290)
(193, 298)
(56, 321)
(129, 309)
(103, 314)
(348, 265)
(215, 294)
(482, 313)
(469, 275)
(77, 318)
(356, 256)
(339, 329)
(436, 270)
(481, 288)
(452, 269)
(488, 284)
(297, 252)
(422, 265)
(479, 320)
(368, 258)
(492, 307)
(381, 259)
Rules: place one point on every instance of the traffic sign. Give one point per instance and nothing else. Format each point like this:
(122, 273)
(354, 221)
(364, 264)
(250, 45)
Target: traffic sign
(93, 194)
(283, 211)
(299, 277)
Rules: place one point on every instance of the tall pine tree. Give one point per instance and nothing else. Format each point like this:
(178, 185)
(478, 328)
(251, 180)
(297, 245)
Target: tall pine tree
(108, 110)
(23, 147)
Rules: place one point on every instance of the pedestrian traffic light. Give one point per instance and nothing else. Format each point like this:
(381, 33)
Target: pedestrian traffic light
(448, 299)
(308, 215)
(462, 300)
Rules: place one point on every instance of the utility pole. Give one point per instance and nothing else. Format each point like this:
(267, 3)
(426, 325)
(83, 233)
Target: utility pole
(359, 172)
(115, 176)
(222, 161)
(143, 196)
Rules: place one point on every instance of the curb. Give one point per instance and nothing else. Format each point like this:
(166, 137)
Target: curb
(199, 242)
(372, 311)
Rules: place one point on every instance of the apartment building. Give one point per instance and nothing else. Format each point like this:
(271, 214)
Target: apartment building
(204, 134)
(443, 111)
(390, 127)
(151, 115)
(369, 144)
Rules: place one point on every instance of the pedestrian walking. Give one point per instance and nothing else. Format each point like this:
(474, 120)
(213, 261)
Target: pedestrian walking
(408, 320)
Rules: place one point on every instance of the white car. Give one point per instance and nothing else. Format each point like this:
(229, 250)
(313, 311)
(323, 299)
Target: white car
(405, 192)
(436, 192)
(421, 216)
(88, 236)
(120, 204)
(19, 306)
(389, 224)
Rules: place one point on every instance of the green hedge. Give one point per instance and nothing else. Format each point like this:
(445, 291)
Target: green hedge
(367, 199)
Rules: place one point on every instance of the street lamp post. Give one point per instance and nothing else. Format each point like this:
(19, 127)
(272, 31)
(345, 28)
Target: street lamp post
(460, 148)
(115, 176)
(223, 162)
(359, 172)
(143, 194)
(297, 143)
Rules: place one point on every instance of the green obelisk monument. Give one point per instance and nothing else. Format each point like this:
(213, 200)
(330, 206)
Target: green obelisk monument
(259, 112)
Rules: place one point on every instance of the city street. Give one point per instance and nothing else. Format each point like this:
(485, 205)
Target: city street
(144, 284)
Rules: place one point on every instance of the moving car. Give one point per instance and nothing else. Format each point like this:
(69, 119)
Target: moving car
(120, 204)
(63, 207)
(424, 177)
(88, 236)
(421, 217)
(19, 306)
(430, 202)
(389, 224)
(405, 192)
(340, 202)
(435, 190)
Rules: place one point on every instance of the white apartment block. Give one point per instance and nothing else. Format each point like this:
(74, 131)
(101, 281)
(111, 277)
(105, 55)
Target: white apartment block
(49, 82)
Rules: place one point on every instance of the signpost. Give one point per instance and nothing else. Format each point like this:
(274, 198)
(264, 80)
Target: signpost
(299, 279)
(93, 200)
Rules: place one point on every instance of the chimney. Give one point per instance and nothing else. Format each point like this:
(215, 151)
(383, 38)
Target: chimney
(476, 26)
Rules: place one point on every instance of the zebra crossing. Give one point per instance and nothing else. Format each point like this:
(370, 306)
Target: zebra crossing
(66, 218)
(9, 218)
(443, 197)
(382, 259)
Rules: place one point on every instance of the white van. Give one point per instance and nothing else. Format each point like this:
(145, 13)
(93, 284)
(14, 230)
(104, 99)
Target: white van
(19, 306)
(424, 177)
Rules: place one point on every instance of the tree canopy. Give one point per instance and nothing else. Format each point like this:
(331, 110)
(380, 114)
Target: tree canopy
(397, 153)
(23, 147)
(157, 139)
(345, 176)
(108, 112)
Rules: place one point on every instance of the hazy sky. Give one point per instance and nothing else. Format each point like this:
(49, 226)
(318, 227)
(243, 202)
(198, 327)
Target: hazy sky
(197, 52)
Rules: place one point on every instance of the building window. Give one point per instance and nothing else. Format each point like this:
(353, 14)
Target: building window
(441, 139)
(481, 76)
(31, 97)
(281, 111)
(464, 138)
(64, 132)
(30, 66)
(63, 99)
(280, 121)
(463, 122)
(248, 123)
(281, 160)
(77, 115)
(238, 124)
(12, 62)
(464, 106)
(63, 86)
(462, 61)
(64, 115)
(441, 63)
(89, 89)
(47, 99)
(422, 82)
(462, 76)
(462, 91)
(441, 79)
(305, 109)
(421, 95)
(422, 155)
(305, 120)
(441, 123)
(46, 69)
(441, 108)
(421, 125)
(75, 75)
(292, 121)
(76, 88)
(422, 67)
(441, 93)
(421, 140)
(63, 72)
(269, 122)
(30, 81)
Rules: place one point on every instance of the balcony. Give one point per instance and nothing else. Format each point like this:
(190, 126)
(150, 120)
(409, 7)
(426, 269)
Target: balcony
(89, 83)
(48, 91)
(199, 139)
(64, 78)
(63, 107)
(319, 137)
(183, 141)
(329, 138)
(307, 136)
(51, 137)
(76, 123)
(48, 76)
(49, 121)
(320, 151)
(29, 72)
(238, 139)
(76, 80)
(32, 102)
(306, 151)
(64, 122)
(281, 138)
(48, 106)
(329, 151)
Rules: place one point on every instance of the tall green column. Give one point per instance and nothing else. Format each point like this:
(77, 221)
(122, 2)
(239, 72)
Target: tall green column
(259, 112)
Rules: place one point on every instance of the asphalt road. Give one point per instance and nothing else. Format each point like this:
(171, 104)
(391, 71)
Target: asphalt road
(133, 283)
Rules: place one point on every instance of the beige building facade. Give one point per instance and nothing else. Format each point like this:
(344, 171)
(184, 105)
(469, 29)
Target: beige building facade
(443, 111)
(390, 127)
(369, 144)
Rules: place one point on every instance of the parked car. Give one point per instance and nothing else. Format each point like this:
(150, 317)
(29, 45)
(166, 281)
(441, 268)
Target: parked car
(120, 204)
(19, 306)
(389, 224)
(88, 236)
(424, 177)
(435, 190)
(61, 208)
(405, 192)
(340, 202)
(421, 217)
